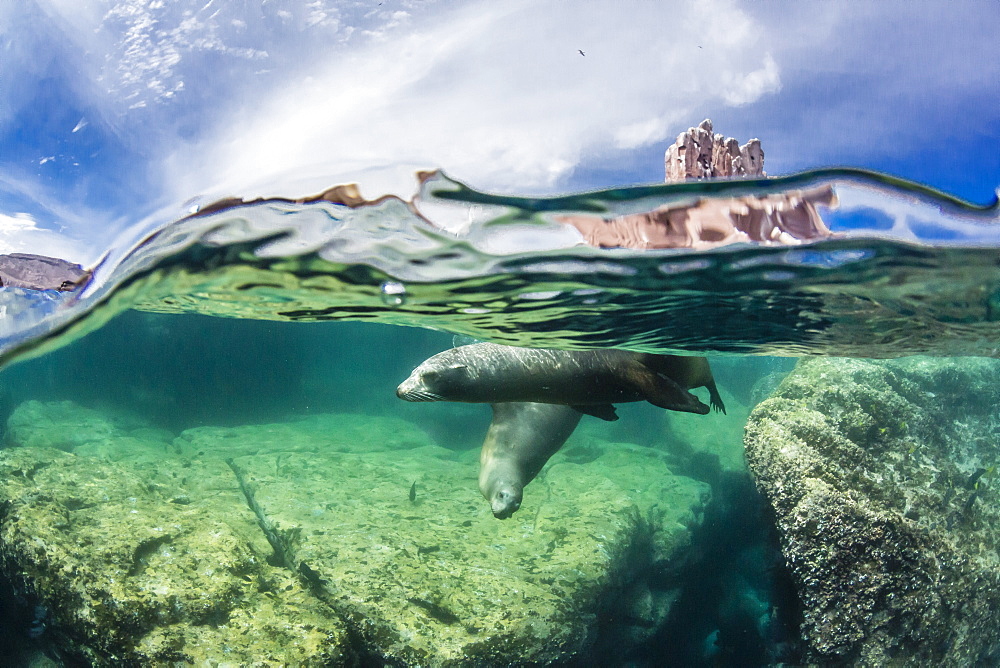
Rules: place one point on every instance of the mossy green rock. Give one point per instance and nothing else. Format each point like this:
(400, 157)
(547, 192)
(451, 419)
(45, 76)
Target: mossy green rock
(881, 477)
(65, 425)
(134, 573)
(151, 550)
(439, 581)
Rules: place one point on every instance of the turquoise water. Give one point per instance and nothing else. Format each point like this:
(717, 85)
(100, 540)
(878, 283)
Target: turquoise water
(908, 271)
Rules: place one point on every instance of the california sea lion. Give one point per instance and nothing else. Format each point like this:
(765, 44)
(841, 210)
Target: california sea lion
(588, 380)
(520, 440)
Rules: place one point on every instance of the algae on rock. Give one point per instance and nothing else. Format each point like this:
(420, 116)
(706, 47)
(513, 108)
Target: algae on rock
(132, 575)
(877, 472)
(439, 580)
(66, 426)
(145, 549)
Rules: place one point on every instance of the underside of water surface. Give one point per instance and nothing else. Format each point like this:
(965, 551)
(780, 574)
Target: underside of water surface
(887, 268)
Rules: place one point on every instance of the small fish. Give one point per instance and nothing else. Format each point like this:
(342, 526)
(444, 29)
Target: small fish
(438, 612)
(973, 480)
(580, 51)
(413, 492)
(427, 550)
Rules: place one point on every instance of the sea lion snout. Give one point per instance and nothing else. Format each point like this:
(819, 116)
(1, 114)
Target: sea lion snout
(505, 502)
(435, 380)
(407, 389)
(415, 388)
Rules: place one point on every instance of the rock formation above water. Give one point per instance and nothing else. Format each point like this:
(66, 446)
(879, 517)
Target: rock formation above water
(300, 543)
(38, 272)
(882, 478)
(788, 218)
(697, 153)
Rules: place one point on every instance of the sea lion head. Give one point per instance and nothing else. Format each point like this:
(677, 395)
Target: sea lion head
(505, 498)
(435, 380)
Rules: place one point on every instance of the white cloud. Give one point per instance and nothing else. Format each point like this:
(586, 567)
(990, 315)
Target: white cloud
(20, 234)
(870, 81)
(138, 54)
(743, 89)
(496, 93)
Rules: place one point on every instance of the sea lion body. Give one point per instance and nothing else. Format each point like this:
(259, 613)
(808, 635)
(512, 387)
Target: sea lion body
(521, 438)
(589, 380)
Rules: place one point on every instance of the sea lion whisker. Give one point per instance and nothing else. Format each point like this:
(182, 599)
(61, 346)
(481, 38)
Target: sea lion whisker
(423, 395)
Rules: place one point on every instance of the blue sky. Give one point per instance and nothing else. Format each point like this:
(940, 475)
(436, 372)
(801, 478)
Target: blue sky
(116, 111)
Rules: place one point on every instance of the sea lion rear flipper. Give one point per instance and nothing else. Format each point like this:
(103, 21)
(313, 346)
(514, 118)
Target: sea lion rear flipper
(666, 393)
(603, 411)
(715, 398)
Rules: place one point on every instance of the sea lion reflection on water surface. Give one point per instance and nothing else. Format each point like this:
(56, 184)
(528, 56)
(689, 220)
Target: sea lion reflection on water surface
(588, 380)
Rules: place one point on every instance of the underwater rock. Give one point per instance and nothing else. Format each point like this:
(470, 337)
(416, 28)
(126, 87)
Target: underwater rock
(254, 545)
(436, 580)
(334, 432)
(38, 272)
(881, 476)
(66, 426)
(137, 573)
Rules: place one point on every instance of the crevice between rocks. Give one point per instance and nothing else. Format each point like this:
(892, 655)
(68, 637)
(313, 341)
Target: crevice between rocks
(310, 579)
(278, 557)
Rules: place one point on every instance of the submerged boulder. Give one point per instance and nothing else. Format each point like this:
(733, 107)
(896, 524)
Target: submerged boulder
(432, 578)
(65, 425)
(132, 573)
(881, 476)
(317, 541)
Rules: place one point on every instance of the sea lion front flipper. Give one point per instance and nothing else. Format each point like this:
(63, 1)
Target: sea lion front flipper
(664, 392)
(603, 411)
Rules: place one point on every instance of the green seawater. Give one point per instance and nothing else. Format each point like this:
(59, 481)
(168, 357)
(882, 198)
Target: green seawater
(155, 394)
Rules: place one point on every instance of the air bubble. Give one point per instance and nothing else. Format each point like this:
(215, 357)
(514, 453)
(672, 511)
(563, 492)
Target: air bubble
(393, 293)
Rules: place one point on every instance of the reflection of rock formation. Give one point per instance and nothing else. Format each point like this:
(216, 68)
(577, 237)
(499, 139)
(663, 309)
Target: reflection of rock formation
(347, 194)
(887, 506)
(37, 272)
(698, 154)
(787, 218)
